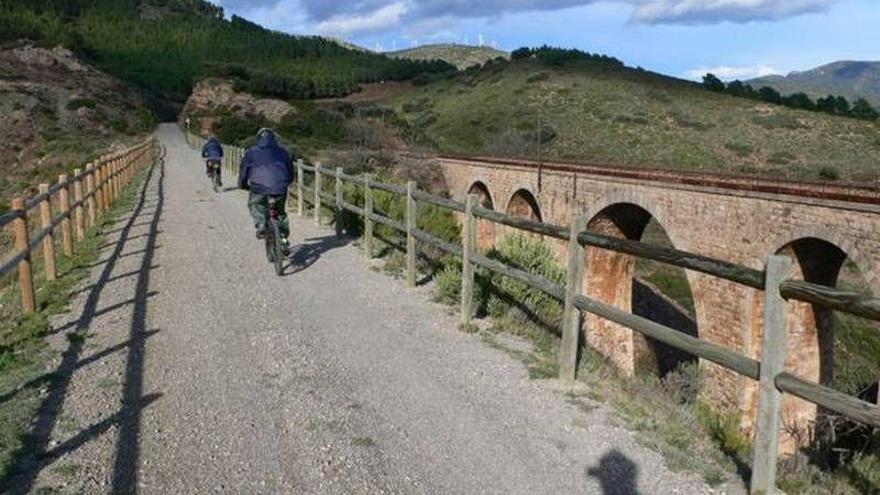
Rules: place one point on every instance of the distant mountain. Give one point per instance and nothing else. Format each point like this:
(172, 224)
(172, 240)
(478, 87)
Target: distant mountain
(461, 56)
(851, 79)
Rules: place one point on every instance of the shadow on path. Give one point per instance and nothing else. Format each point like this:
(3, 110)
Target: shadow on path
(34, 453)
(127, 444)
(616, 473)
(306, 254)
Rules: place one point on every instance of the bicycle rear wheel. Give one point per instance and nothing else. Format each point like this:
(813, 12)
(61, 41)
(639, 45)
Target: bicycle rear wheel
(215, 179)
(277, 249)
(270, 247)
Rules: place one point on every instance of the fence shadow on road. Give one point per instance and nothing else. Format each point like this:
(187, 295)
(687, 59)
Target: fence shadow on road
(36, 452)
(616, 473)
(306, 254)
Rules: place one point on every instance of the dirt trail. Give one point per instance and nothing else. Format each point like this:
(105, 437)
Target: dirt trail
(203, 372)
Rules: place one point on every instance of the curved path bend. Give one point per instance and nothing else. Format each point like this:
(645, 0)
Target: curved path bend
(203, 372)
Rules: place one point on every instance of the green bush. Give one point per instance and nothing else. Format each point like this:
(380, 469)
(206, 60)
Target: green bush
(233, 129)
(781, 157)
(77, 103)
(505, 296)
(829, 173)
(740, 148)
(778, 121)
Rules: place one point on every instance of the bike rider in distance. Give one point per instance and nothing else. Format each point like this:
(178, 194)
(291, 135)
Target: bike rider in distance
(212, 152)
(267, 171)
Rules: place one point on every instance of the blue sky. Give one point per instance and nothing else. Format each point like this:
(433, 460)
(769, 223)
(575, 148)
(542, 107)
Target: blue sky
(685, 38)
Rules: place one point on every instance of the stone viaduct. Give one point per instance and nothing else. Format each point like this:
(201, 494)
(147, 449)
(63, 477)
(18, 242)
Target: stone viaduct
(734, 219)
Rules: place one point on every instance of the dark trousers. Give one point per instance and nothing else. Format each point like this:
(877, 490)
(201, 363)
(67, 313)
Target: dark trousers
(258, 205)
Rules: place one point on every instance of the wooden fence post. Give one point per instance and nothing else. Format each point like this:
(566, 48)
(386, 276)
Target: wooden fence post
(368, 218)
(79, 219)
(411, 216)
(468, 245)
(300, 188)
(338, 211)
(49, 240)
(99, 187)
(317, 186)
(25, 269)
(774, 345)
(114, 181)
(571, 316)
(64, 206)
(90, 188)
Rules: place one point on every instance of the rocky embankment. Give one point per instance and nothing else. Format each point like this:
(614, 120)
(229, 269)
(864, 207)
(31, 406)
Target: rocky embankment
(59, 111)
(215, 98)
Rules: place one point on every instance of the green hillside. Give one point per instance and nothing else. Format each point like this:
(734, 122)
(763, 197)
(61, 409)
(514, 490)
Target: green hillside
(850, 79)
(461, 56)
(166, 45)
(600, 111)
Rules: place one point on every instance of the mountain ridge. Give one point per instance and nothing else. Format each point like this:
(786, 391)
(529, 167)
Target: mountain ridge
(461, 56)
(849, 78)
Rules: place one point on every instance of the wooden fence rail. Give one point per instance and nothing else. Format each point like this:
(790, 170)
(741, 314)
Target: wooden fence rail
(104, 181)
(769, 371)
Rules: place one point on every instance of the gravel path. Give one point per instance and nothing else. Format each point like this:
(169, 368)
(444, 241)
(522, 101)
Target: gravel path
(203, 372)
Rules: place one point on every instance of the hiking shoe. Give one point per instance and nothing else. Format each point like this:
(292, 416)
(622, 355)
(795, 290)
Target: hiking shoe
(261, 231)
(285, 247)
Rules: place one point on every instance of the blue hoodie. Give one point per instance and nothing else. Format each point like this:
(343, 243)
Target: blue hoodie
(267, 168)
(212, 150)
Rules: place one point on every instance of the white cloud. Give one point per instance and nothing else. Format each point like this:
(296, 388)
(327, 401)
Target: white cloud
(347, 17)
(382, 18)
(714, 11)
(727, 73)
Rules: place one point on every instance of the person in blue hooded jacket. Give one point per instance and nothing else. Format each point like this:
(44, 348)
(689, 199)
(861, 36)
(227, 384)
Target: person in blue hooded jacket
(212, 152)
(267, 171)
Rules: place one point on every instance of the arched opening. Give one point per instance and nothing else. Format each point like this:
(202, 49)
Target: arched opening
(834, 349)
(485, 228)
(524, 205)
(655, 291)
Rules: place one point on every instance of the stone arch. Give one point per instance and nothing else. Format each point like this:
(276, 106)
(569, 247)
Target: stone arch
(811, 329)
(523, 204)
(485, 228)
(611, 278)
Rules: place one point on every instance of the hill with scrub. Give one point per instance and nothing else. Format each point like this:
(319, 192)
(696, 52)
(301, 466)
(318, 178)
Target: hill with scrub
(594, 109)
(461, 56)
(59, 111)
(851, 79)
(165, 46)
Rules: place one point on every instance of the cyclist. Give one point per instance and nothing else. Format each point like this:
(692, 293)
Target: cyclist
(267, 171)
(212, 152)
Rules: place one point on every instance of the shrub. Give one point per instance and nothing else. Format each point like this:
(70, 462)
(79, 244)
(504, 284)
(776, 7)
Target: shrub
(778, 121)
(781, 157)
(512, 298)
(447, 289)
(829, 173)
(235, 130)
(77, 103)
(740, 148)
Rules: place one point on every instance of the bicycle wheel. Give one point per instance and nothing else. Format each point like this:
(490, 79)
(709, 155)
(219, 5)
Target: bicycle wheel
(278, 250)
(215, 179)
(270, 247)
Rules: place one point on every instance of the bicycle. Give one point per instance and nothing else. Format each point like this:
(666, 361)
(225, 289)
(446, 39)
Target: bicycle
(275, 249)
(214, 174)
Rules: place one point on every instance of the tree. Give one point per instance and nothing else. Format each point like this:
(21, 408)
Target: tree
(799, 100)
(861, 109)
(713, 83)
(521, 53)
(769, 95)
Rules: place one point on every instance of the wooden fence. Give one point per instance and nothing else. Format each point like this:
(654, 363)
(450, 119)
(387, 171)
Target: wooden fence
(66, 210)
(774, 280)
